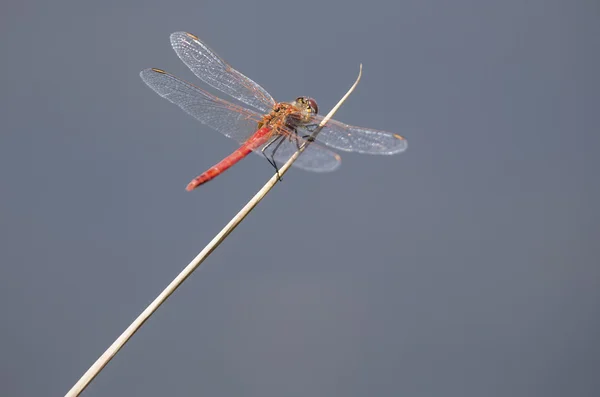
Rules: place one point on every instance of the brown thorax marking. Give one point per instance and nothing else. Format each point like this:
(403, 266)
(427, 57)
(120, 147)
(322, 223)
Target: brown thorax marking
(281, 111)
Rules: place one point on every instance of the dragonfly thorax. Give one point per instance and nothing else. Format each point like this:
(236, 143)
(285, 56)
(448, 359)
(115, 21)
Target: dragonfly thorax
(291, 115)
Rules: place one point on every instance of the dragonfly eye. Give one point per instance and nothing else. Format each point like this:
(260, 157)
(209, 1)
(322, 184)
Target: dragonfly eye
(313, 105)
(308, 103)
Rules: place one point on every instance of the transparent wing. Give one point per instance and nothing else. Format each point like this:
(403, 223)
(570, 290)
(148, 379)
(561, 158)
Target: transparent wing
(214, 71)
(356, 139)
(231, 120)
(234, 121)
(315, 157)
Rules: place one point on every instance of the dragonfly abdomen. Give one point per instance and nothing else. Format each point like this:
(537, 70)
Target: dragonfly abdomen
(259, 138)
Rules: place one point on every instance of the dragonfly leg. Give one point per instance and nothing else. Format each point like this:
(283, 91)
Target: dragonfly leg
(297, 139)
(310, 128)
(271, 159)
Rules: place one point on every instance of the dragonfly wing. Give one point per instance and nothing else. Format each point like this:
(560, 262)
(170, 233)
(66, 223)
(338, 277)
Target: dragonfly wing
(315, 157)
(231, 120)
(214, 71)
(360, 140)
(234, 121)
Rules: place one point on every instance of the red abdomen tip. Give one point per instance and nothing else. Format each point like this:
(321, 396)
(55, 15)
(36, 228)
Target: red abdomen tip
(192, 185)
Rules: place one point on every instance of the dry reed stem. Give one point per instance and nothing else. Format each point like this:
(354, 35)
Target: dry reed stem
(101, 362)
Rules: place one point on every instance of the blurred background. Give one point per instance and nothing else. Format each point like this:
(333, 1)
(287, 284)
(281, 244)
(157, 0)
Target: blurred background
(467, 266)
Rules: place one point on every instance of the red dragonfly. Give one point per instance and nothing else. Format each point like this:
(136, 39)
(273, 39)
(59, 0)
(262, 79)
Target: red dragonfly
(274, 129)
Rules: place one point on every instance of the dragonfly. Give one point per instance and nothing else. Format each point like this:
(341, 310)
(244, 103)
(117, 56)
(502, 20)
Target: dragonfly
(275, 130)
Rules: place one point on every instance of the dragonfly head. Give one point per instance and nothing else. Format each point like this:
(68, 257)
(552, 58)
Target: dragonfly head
(307, 105)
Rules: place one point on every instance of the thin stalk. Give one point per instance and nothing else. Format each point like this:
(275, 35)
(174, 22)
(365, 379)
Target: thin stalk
(101, 362)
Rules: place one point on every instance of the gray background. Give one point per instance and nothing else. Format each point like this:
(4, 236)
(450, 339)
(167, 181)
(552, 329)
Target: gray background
(467, 266)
